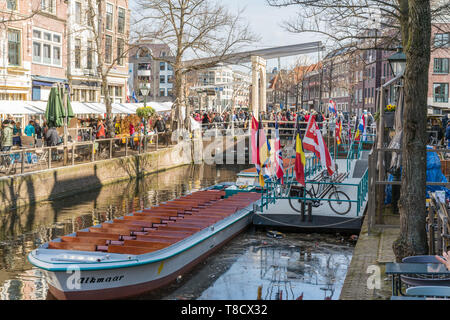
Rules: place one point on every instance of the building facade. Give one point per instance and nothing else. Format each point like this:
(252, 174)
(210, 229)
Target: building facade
(439, 76)
(147, 71)
(83, 76)
(15, 54)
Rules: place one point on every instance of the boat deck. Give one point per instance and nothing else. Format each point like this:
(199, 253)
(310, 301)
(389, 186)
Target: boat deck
(158, 227)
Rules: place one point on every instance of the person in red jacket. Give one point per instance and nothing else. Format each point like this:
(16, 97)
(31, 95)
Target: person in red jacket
(100, 130)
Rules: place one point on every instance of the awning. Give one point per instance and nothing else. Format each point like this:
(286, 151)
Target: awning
(38, 107)
(46, 81)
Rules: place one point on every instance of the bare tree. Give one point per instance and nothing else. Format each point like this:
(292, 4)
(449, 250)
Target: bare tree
(195, 28)
(350, 23)
(96, 25)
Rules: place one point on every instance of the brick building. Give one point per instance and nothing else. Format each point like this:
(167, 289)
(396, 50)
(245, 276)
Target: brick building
(147, 70)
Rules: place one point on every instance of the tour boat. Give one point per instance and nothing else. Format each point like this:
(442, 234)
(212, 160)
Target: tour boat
(146, 249)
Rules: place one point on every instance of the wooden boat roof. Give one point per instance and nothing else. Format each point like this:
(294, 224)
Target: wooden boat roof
(158, 227)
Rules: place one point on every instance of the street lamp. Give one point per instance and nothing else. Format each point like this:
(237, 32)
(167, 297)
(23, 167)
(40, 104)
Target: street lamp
(398, 62)
(145, 91)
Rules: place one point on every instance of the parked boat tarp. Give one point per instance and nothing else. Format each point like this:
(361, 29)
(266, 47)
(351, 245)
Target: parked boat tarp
(434, 174)
(38, 107)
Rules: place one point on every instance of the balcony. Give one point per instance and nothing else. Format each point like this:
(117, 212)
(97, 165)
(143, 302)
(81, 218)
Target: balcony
(144, 73)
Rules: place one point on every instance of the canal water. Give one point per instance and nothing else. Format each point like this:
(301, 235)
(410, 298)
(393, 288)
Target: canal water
(254, 264)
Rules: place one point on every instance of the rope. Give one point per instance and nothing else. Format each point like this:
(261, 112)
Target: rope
(294, 225)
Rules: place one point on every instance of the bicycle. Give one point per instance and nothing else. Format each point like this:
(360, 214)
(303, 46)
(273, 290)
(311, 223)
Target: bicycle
(8, 164)
(338, 200)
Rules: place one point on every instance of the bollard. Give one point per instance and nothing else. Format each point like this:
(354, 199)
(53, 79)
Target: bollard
(303, 210)
(309, 211)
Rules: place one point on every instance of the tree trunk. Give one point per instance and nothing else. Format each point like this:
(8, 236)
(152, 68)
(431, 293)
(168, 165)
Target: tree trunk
(179, 93)
(416, 31)
(109, 120)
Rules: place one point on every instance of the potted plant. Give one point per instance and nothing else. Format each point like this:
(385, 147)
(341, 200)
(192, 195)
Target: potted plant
(389, 115)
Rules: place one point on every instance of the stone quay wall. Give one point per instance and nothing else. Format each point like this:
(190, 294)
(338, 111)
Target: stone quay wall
(55, 183)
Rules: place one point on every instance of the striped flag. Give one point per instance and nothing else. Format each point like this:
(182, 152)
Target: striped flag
(254, 135)
(279, 169)
(314, 142)
(339, 132)
(332, 107)
(300, 159)
(262, 154)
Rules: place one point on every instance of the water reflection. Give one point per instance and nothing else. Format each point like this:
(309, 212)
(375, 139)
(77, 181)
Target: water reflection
(284, 272)
(23, 229)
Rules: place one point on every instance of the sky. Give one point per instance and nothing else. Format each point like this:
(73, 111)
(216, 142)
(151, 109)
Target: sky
(265, 21)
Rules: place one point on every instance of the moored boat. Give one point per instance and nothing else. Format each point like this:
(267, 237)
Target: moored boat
(144, 250)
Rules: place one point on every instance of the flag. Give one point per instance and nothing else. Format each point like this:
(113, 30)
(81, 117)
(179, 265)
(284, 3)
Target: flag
(300, 159)
(134, 96)
(279, 169)
(332, 107)
(339, 132)
(254, 135)
(263, 153)
(361, 128)
(314, 142)
(128, 94)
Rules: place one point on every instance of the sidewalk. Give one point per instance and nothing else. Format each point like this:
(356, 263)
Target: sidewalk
(371, 250)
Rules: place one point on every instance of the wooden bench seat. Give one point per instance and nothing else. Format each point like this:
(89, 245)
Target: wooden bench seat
(88, 240)
(108, 236)
(146, 244)
(72, 246)
(129, 250)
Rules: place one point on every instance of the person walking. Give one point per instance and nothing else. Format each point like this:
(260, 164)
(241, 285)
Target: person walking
(7, 135)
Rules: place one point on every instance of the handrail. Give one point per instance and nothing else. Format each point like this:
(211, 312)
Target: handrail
(69, 149)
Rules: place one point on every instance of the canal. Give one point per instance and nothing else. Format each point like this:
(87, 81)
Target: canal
(294, 266)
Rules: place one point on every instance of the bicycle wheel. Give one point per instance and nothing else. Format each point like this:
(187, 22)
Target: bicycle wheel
(341, 204)
(296, 204)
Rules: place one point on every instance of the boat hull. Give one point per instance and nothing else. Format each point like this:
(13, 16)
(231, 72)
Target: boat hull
(131, 281)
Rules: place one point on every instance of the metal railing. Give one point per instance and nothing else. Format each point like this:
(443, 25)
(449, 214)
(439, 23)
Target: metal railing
(27, 160)
(378, 182)
(438, 226)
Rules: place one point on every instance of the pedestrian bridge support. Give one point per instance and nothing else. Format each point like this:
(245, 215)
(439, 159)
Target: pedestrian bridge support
(259, 79)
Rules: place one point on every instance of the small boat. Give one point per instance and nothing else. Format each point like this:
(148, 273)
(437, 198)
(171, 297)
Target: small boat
(144, 250)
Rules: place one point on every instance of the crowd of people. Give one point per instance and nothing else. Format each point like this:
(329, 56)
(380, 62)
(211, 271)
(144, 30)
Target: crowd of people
(286, 119)
(12, 134)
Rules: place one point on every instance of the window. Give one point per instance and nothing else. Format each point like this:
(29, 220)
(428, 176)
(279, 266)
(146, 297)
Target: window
(162, 79)
(47, 54)
(169, 67)
(11, 4)
(78, 12)
(120, 50)
(77, 53)
(440, 91)
(37, 53)
(162, 66)
(109, 16)
(89, 55)
(57, 56)
(121, 20)
(108, 49)
(48, 6)
(162, 93)
(14, 47)
(440, 65)
(118, 91)
(441, 40)
(47, 47)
